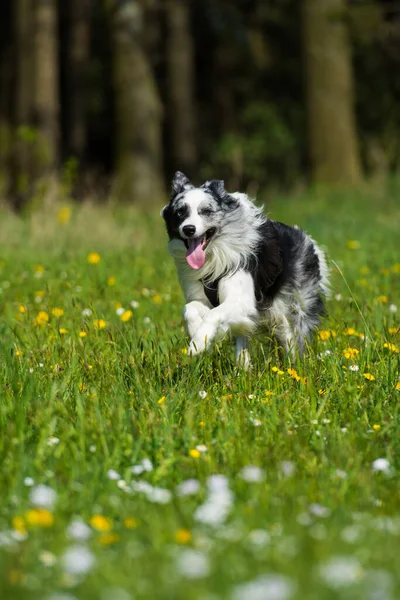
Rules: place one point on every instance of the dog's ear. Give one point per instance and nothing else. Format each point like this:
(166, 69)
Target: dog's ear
(216, 187)
(180, 183)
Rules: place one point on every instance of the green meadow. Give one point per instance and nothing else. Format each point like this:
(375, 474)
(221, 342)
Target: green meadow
(129, 470)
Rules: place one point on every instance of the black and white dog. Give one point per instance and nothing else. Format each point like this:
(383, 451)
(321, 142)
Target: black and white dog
(241, 271)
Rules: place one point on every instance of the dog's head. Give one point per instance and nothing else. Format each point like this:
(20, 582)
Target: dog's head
(197, 216)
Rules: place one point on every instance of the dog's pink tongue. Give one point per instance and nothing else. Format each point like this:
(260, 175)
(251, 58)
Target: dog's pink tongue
(195, 256)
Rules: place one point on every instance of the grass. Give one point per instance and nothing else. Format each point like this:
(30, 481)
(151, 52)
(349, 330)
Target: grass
(88, 393)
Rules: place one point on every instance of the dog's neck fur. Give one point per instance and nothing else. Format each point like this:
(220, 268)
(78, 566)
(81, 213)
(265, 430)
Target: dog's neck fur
(229, 251)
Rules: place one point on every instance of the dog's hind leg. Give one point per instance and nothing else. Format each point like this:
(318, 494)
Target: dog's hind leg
(242, 352)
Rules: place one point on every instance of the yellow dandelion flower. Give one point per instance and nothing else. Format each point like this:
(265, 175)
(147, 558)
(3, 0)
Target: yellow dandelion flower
(39, 294)
(18, 352)
(324, 335)
(396, 268)
(184, 351)
(157, 299)
(351, 352)
(126, 316)
(99, 323)
(62, 331)
(130, 523)
(106, 539)
(39, 517)
(64, 215)
(22, 309)
(376, 427)
(322, 392)
(293, 373)
(394, 330)
(183, 536)
(41, 319)
(82, 334)
(382, 299)
(111, 281)
(57, 312)
(391, 347)
(369, 376)
(18, 524)
(194, 453)
(365, 270)
(100, 523)
(161, 400)
(39, 269)
(94, 258)
(268, 393)
(350, 331)
(353, 244)
(397, 386)
(202, 424)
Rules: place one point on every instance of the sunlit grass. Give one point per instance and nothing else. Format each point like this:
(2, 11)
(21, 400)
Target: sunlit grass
(110, 432)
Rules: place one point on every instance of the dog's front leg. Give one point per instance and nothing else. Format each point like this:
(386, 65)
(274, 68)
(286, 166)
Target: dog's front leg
(193, 315)
(236, 313)
(242, 352)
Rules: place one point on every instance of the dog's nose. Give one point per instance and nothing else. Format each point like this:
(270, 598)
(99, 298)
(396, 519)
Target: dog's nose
(189, 230)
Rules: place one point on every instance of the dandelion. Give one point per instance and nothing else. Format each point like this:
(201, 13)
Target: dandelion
(351, 352)
(350, 331)
(183, 536)
(130, 523)
(39, 517)
(277, 371)
(111, 281)
(106, 539)
(100, 523)
(203, 394)
(369, 376)
(43, 496)
(19, 525)
(382, 299)
(193, 564)
(18, 352)
(381, 464)
(57, 312)
(324, 335)
(42, 319)
(99, 323)
(194, 453)
(64, 215)
(62, 331)
(94, 258)
(293, 374)
(22, 309)
(397, 386)
(161, 400)
(78, 560)
(354, 368)
(157, 299)
(126, 315)
(82, 334)
(391, 347)
(353, 244)
(376, 427)
(38, 270)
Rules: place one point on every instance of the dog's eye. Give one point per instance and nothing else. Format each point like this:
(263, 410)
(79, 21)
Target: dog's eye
(207, 212)
(180, 213)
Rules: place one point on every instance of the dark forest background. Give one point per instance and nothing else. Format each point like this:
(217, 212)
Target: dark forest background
(112, 96)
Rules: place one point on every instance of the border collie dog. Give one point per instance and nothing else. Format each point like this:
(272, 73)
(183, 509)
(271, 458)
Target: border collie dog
(240, 271)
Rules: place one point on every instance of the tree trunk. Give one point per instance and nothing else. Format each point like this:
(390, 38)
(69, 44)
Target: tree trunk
(180, 66)
(22, 132)
(46, 89)
(76, 73)
(6, 87)
(138, 111)
(333, 141)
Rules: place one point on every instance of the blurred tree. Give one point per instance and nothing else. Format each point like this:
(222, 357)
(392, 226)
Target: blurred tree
(138, 108)
(46, 89)
(22, 18)
(329, 92)
(78, 54)
(6, 87)
(181, 97)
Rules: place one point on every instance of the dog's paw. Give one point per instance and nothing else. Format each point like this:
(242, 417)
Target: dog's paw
(195, 348)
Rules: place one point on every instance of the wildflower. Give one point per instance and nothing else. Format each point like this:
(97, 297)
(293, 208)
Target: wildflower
(64, 215)
(19, 525)
(78, 560)
(202, 424)
(194, 453)
(393, 308)
(203, 394)
(293, 374)
(39, 270)
(111, 281)
(324, 335)
(126, 316)
(161, 400)
(381, 464)
(320, 511)
(252, 474)
(120, 310)
(251, 396)
(397, 387)
(382, 299)
(158, 495)
(391, 347)
(113, 475)
(130, 523)
(394, 330)
(78, 530)
(190, 487)
(376, 427)
(145, 465)
(29, 482)
(99, 324)
(157, 299)
(353, 244)
(340, 571)
(42, 318)
(354, 367)
(201, 448)
(57, 312)
(39, 517)
(100, 523)
(193, 564)
(350, 331)
(183, 536)
(87, 312)
(396, 268)
(351, 352)
(62, 331)
(268, 587)
(147, 320)
(94, 258)
(43, 496)
(106, 539)
(53, 441)
(338, 297)
(18, 353)
(369, 376)
(322, 392)
(287, 467)
(82, 334)
(364, 270)
(22, 309)
(256, 422)
(135, 304)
